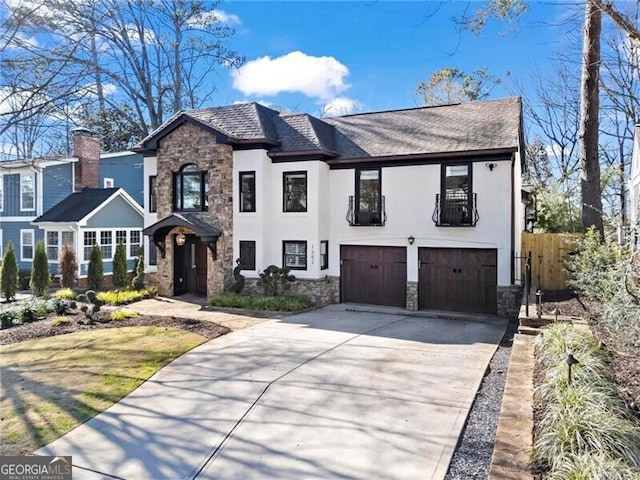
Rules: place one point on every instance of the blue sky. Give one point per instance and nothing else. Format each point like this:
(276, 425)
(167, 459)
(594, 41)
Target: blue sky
(304, 55)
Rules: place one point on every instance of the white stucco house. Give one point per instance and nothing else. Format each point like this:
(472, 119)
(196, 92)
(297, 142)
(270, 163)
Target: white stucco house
(417, 208)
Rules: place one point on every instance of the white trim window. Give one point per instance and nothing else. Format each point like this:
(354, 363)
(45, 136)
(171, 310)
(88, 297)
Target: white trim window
(55, 240)
(108, 182)
(135, 240)
(26, 245)
(27, 192)
(1, 193)
(109, 239)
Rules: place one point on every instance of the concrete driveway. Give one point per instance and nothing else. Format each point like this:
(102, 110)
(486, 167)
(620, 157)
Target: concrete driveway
(325, 394)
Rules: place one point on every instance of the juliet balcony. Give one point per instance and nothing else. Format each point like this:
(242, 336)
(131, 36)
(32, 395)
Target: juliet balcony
(367, 213)
(456, 210)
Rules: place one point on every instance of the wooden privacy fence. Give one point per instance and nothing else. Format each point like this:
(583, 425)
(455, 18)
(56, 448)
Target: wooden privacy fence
(547, 253)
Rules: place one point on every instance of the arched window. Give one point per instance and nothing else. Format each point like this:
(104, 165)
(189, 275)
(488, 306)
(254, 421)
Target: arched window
(190, 189)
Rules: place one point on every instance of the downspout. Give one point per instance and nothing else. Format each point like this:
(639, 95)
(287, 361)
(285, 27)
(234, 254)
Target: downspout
(513, 218)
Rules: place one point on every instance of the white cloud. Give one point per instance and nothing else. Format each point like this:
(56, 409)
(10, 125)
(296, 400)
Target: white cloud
(316, 77)
(205, 19)
(341, 106)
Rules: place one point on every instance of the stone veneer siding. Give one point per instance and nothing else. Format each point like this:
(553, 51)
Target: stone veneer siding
(191, 144)
(322, 292)
(412, 296)
(509, 299)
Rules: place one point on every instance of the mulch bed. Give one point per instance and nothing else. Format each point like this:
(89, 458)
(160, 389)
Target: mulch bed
(44, 328)
(625, 359)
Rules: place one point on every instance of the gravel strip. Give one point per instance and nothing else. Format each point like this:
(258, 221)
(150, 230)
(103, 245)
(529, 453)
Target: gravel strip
(472, 458)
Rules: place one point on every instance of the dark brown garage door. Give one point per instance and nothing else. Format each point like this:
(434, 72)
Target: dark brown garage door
(374, 275)
(458, 279)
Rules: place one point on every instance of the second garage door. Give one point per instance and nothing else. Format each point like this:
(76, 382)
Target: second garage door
(458, 279)
(374, 275)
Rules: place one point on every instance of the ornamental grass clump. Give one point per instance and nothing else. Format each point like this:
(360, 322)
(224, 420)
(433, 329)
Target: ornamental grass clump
(585, 418)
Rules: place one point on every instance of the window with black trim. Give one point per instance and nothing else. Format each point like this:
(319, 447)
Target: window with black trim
(248, 254)
(247, 191)
(294, 254)
(190, 189)
(294, 185)
(368, 197)
(153, 193)
(456, 195)
(324, 254)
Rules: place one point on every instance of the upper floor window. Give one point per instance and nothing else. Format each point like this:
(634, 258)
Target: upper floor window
(368, 207)
(108, 182)
(456, 206)
(295, 191)
(153, 191)
(27, 191)
(190, 189)
(247, 191)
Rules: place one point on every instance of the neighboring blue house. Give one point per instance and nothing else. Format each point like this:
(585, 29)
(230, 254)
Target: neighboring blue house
(31, 188)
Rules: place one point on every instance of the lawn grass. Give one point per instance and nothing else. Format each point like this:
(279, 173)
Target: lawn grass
(51, 385)
(284, 303)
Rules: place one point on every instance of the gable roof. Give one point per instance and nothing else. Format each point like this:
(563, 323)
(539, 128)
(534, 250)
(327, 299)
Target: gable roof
(79, 205)
(493, 125)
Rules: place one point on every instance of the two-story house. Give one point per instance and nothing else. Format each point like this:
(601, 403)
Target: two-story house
(417, 208)
(81, 200)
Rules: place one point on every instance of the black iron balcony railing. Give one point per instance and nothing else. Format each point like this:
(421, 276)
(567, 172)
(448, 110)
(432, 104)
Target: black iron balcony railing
(456, 210)
(374, 216)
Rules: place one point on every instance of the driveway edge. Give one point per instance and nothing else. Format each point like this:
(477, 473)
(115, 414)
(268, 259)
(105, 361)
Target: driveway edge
(514, 437)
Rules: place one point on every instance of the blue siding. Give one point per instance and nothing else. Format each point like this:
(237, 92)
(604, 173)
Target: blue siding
(117, 214)
(57, 184)
(107, 267)
(11, 233)
(126, 172)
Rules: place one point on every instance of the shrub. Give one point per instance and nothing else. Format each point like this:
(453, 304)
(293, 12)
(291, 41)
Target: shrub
(95, 272)
(584, 418)
(9, 273)
(120, 266)
(68, 267)
(40, 276)
(92, 306)
(65, 293)
(59, 321)
(122, 315)
(283, 303)
(60, 306)
(138, 279)
(275, 281)
(120, 297)
(28, 312)
(7, 317)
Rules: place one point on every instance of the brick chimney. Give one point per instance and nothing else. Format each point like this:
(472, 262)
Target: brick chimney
(86, 147)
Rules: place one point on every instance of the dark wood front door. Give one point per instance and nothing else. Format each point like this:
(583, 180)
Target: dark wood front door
(458, 279)
(374, 275)
(190, 267)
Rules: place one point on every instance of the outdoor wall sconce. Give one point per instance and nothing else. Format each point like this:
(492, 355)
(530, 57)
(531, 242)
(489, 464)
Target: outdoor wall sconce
(411, 240)
(491, 166)
(180, 239)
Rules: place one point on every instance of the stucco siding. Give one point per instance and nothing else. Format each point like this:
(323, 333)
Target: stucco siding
(57, 184)
(117, 214)
(127, 172)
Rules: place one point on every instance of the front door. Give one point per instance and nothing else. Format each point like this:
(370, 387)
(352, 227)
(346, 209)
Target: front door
(190, 267)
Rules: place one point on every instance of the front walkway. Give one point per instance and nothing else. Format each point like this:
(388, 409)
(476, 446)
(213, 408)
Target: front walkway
(331, 393)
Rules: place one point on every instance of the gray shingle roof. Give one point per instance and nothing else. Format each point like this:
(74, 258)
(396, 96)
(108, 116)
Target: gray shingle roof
(463, 127)
(77, 205)
(466, 127)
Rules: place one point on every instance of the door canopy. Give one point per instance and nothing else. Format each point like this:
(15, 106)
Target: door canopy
(206, 232)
